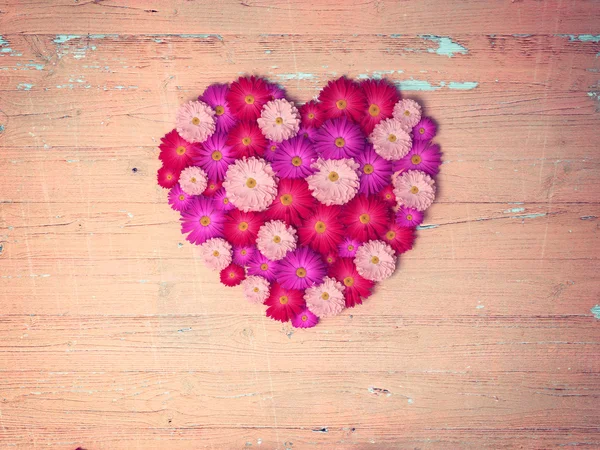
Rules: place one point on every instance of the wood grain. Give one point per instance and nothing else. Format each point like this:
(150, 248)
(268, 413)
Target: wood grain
(114, 336)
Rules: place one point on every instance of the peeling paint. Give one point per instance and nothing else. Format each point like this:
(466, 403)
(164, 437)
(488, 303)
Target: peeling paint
(377, 74)
(529, 216)
(596, 311)
(427, 227)
(24, 86)
(5, 48)
(514, 210)
(2, 128)
(446, 46)
(465, 85)
(62, 38)
(581, 37)
(296, 76)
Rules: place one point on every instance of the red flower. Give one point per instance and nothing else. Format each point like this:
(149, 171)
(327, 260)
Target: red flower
(399, 238)
(293, 202)
(311, 115)
(387, 195)
(283, 304)
(322, 230)
(365, 217)
(356, 287)
(247, 96)
(246, 139)
(212, 187)
(177, 153)
(167, 177)
(232, 275)
(343, 97)
(241, 228)
(381, 99)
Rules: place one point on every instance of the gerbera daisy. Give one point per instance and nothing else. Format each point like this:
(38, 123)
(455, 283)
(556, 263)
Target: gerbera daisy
(374, 171)
(216, 253)
(343, 97)
(247, 96)
(195, 121)
(275, 239)
(399, 238)
(335, 181)
(193, 180)
(307, 133)
(301, 268)
(232, 275)
(424, 130)
(365, 217)
(279, 120)
(256, 289)
(175, 152)
(414, 189)
(408, 112)
(294, 158)
(409, 217)
(293, 202)
(246, 139)
(347, 248)
(275, 91)
(387, 195)
(202, 220)
(331, 258)
(215, 97)
(381, 98)
(259, 264)
(311, 115)
(215, 156)
(178, 199)
(242, 254)
(241, 228)
(375, 260)
(212, 187)
(222, 201)
(167, 177)
(391, 139)
(251, 184)
(283, 304)
(356, 286)
(322, 230)
(304, 319)
(272, 147)
(339, 138)
(326, 299)
(422, 156)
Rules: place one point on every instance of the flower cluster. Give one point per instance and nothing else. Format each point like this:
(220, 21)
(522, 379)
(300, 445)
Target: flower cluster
(308, 207)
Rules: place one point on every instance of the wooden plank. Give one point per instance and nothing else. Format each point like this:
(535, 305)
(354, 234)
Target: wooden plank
(296, 17)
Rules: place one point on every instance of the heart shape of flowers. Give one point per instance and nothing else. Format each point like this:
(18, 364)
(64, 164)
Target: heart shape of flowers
(307, 208)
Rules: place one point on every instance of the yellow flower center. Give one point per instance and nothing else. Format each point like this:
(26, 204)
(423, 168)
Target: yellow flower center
(231, 274)
(243, 252)
(277, 239)
(182, 197)
(251, 183)
(300, 272)
(264, 266)
(279, 121)
(388, 196)
(225, 201)
(320, 227)
(325, 296)
(416, 159)
(283, 299)
(304, 318)
(216, 254)
(368, 169)
(180, 150)
(340, 142)
(333, 176)
(273, 148)
(407, 113)
(217, 155)
(390, 235)
(421, 130)
(414, 190)
(349, 281)
(249, 99)
(286, 199)
(205, 221)
(296, 161)
(341, 104)
(256, 289)
(374, 110)
(219, 110)
(196, 121)
(350, 248)
(211, 187)
(392, 138)
(375, 260)
(193, 179)
(169, 177)
(311, 115)
(409, 217)
(246, 140)
(243, 226)
(364, 219)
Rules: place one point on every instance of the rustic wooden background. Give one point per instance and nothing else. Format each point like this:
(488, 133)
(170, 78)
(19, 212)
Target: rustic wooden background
(113, 336)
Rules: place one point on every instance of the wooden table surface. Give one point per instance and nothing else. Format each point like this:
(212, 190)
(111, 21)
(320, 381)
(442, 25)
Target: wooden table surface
(113, 336)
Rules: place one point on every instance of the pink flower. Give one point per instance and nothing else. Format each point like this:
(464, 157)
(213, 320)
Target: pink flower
(424, 130)
(335, 181)
(279, 120)
(256, 289)
(304, 319)
(215, 253)
(391, 139)
(408, 112)
(326, 299)
(193, 180)
(250, 184)
(275, 239)
(375, 260)
(195, 121)
(414, 189)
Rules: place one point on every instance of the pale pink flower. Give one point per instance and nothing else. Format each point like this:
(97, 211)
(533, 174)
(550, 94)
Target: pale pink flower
(193, 180)
(375, 260)
(256, 289)
(279, 120)
(414, 189)
(250, 184)
(195, 121)
(216, 253)
(275, 239)
(391, 139)
(326, 299)
(408, 112)
(335, 181)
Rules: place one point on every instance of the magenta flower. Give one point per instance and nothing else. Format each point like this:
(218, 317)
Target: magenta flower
(202, 220)
(424, 130)
(178, 199)
(423, 156)
(301, 268)
(215, 156)
(409, 217)
(214, 96)
(259, 264)
(347, 248)
(270, 151)
(222, 201)
(242, 254)
(375, 172)
(339, 138)
(293, 158)
(305, 319)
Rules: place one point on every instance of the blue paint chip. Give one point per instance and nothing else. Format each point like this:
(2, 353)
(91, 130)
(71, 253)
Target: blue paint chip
(465, 85)
(446, 46)
(24, 86)
(62, 38)
(596, 311)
